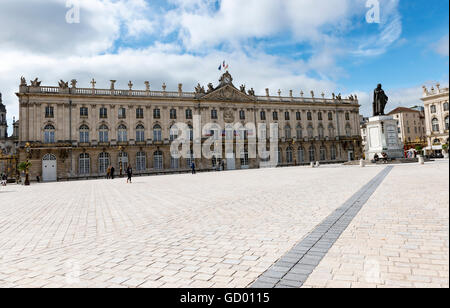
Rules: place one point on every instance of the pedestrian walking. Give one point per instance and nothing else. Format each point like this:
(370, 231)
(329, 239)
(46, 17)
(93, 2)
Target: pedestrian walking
(129, 174)
(4, 179)
(112, 172)
(193, 167)
(108, 173)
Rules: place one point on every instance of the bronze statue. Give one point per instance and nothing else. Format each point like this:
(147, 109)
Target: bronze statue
(380, 101)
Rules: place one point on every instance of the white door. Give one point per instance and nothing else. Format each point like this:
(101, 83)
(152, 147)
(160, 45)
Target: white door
(49, 168)
(231, 162)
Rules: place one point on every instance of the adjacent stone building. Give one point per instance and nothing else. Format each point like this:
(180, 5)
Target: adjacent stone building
(69, 132)
(8, 144)
(411, 125)
(436, 102)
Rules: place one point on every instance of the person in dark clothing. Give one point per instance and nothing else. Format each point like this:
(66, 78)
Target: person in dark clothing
(129, 174)
(112, 172)
(193, 167)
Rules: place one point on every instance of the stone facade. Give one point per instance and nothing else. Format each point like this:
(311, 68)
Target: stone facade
(8, 144)
(86, 128)
(436, 101)
(411, 125)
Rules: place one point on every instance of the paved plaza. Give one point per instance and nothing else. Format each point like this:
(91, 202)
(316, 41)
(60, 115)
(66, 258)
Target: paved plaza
(229, 229)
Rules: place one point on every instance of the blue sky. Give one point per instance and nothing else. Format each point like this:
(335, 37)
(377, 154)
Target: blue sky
(292, 44)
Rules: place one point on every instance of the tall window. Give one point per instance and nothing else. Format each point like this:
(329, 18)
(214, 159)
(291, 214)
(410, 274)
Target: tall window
(244, 158)
(323, 153)
(123, 160)
(141, 161)
(103, 113)
(287, 116)
(157, 133)
(49, 134)
(191, 132)
(156, 113)
(122, 113)
(84, 164)
(301, 155)
(84, 112)
(280, 158)
(446, 123)
(321, 132)
(49, 112)
(433, 109)
(275, 116)
(173, 133)
(333, 152)
(319, 116)
(188, 114)
(242, 115)
(214, 114)
(174, 162)
(139, 113)
(287, 132)
(331, 131)
(312, 154)
(435, 125)
(103, 162)
(309, 116)
(348, 130)
(299, 132)
(298, 116)
(122, 135)
(446, 106)
(347, 116)
(330, 116)
(310, 132)
(103, 134)
(173, 114)
(140, 133)
(263, 115)
(84, 134)
(158, 160)
(289, 156)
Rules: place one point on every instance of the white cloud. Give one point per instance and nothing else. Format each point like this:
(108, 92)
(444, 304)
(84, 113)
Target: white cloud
(442, 47)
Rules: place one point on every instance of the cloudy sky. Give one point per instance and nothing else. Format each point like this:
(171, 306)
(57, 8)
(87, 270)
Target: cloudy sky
(304, 45)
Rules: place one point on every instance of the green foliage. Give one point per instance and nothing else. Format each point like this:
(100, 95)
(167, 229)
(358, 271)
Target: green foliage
(24, 166)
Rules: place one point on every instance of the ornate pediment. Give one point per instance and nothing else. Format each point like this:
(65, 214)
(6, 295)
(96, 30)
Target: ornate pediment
(228, 93)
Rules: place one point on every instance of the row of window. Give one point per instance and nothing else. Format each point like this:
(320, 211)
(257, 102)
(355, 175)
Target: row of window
(104, 159)
(49, 113)
(122, 133)
(435, 124)
(433, 108)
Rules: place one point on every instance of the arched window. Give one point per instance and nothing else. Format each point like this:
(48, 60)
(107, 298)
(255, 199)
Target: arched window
(122, 135)
(140, 133)
(289, 156)
(333, 152)
(321, 132)
(174, 162)
(157, 133)
(301, 155)
(49, 134)
(299, 132)
(84, 164)
(173, 132)
(331, 131)
(310, 132)
(446, 123)
(103, 163)
(158, 160)
(141, 161)
(280, 158)
(312, 154)
(84, 134)
(435, 125)
(287, 132)
(323, 153)
(103, 134)
(348, 130)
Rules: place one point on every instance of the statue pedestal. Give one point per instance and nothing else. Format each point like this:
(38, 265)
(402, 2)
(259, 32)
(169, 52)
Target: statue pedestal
(382, 133)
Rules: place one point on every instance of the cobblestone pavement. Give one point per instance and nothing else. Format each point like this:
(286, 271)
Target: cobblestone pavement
(399, 239)
(219, 229)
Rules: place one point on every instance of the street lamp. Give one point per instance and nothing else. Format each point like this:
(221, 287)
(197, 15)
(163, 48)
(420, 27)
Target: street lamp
(120, 160)
(27, 176)
(294, 152)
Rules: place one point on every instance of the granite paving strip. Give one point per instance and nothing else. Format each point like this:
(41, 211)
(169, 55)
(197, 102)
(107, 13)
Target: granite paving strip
(294, 268)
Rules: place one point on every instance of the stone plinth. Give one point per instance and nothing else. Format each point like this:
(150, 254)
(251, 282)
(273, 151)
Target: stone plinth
(382, 133)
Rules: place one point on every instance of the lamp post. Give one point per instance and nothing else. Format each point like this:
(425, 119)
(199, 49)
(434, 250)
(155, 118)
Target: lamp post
(120, 160)
(294, 152)
(27, 176)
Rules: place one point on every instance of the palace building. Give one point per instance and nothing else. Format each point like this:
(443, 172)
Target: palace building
(75, 133)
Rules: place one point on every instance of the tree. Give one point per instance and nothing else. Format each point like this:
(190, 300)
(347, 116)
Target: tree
(25, 167)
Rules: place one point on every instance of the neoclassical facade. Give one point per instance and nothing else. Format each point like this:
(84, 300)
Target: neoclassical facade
(436, 101)
(70, 132)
